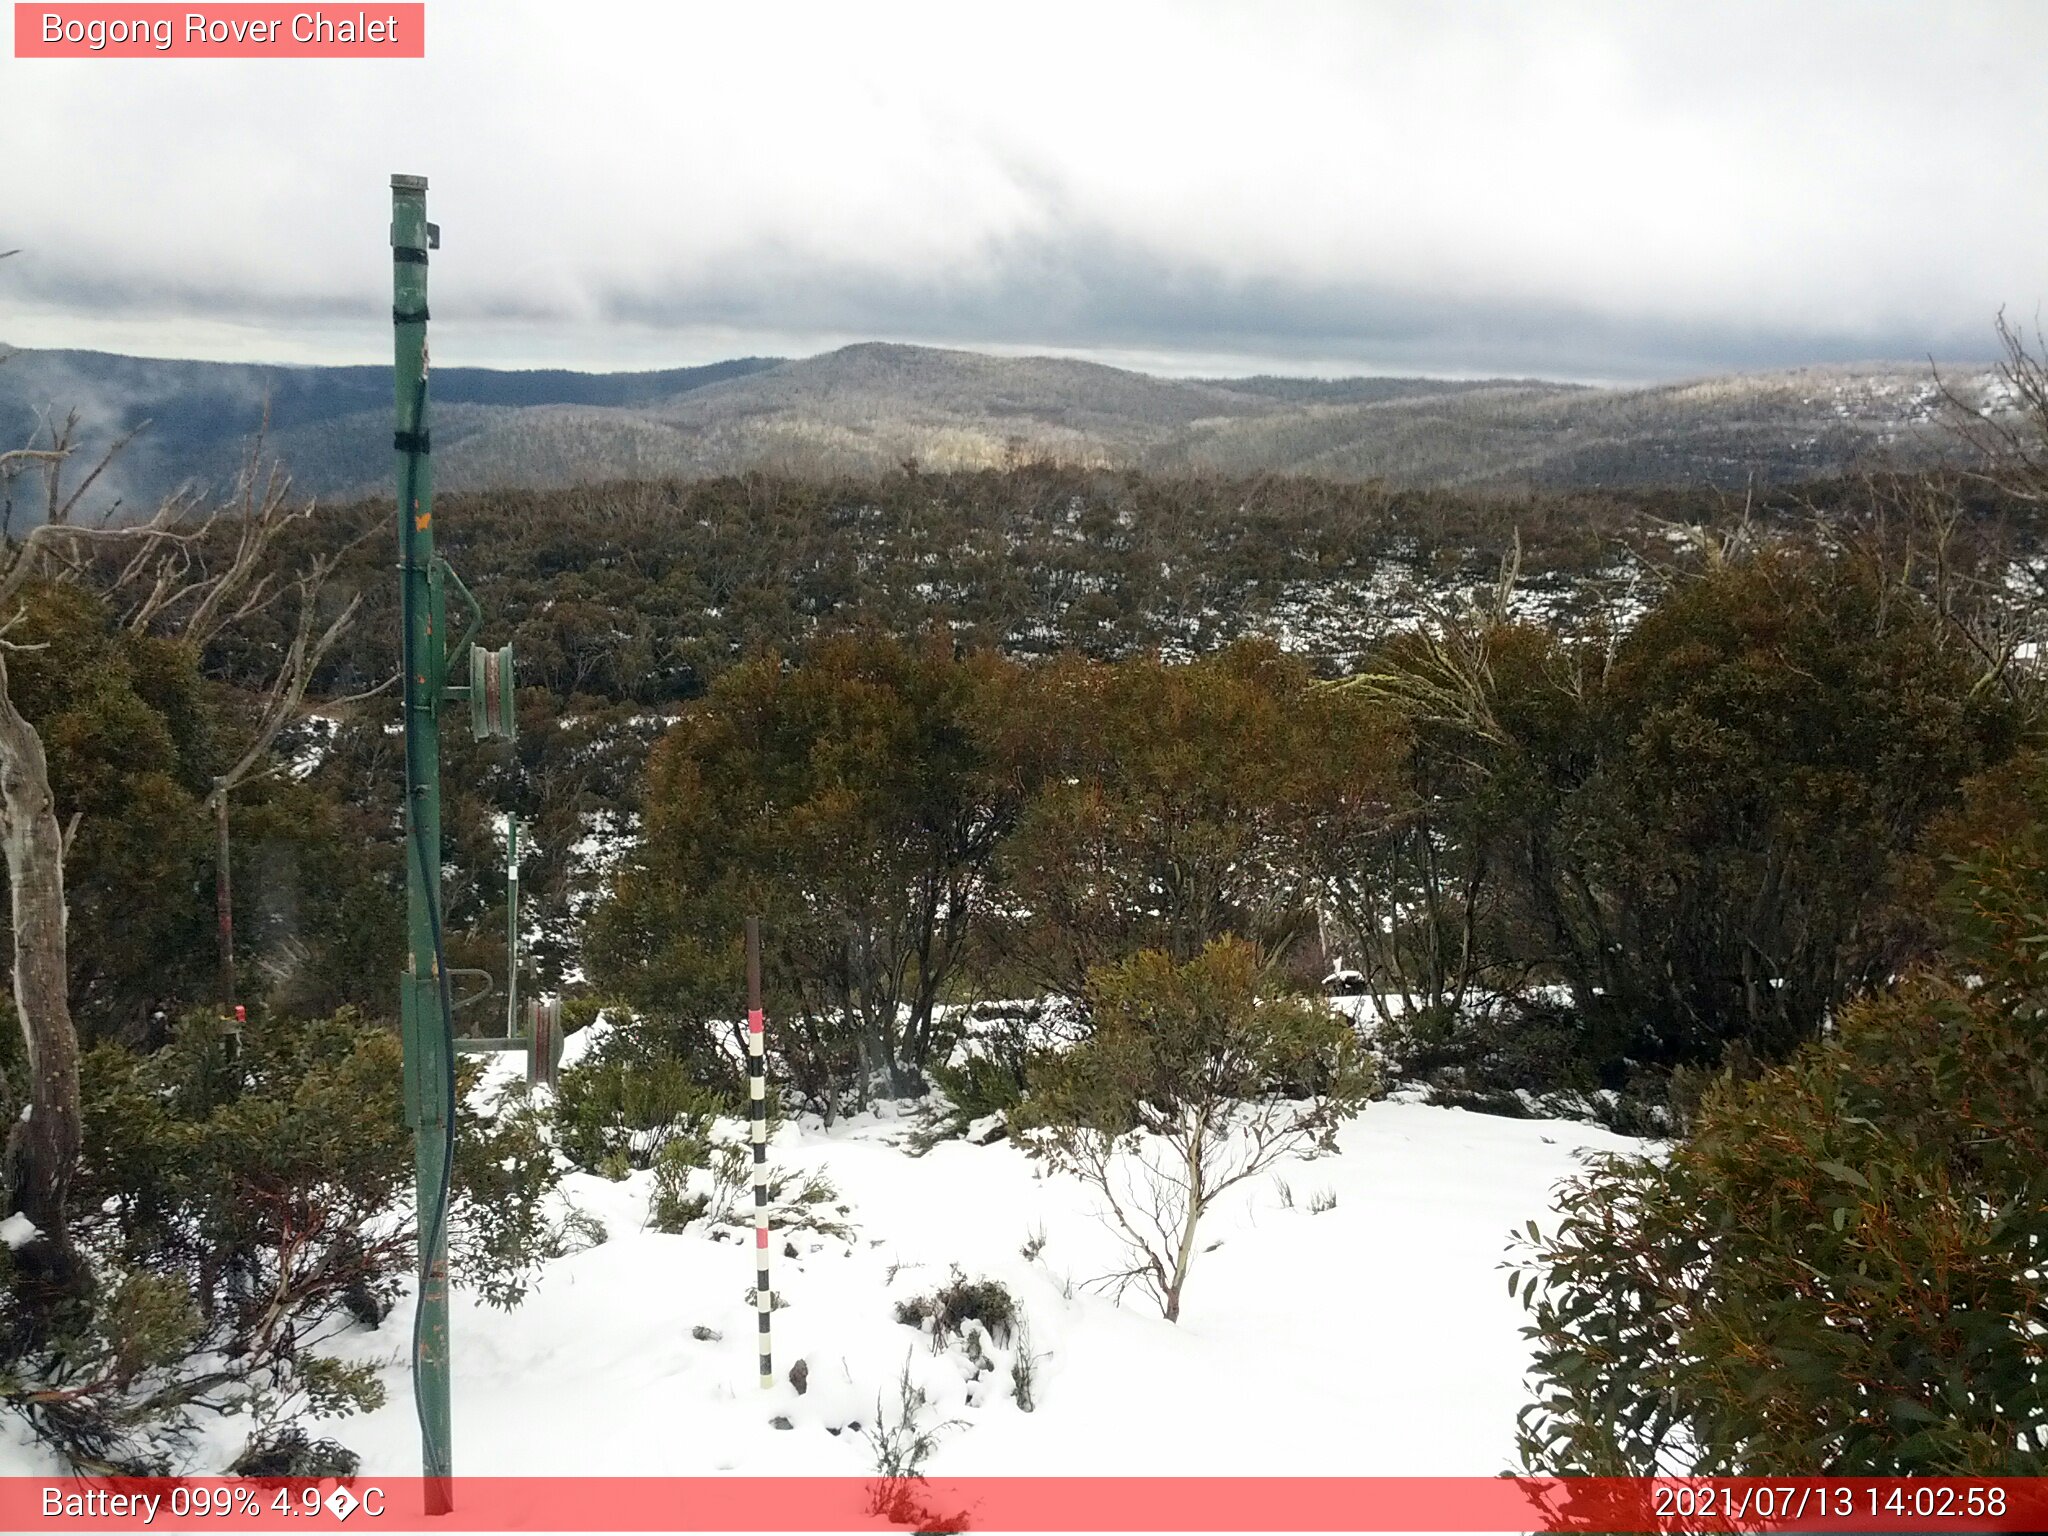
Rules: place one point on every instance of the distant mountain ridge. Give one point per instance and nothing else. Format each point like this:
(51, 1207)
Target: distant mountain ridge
(874, 405)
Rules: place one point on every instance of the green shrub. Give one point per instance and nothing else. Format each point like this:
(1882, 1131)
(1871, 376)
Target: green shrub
(238, 1206)
(619, 1110)
(291, 1453)
(996, 1051)
(506, 1172)
(953, 1306)
(1698, 832)
(978, 1087)
(707, 1178)
(1842, 1270)
(681, 1197)
(1199, 1075)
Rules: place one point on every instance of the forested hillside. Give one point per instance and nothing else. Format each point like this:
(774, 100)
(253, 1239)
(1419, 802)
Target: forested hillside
(866, 409)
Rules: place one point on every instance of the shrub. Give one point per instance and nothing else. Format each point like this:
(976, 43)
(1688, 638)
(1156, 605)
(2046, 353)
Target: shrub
(291, 1453)
(901, 1447)
(1488, 1055)
(952, 1307)
(995, 1058)
(681, 1197)
(704, 1177)
(979, 1086)
(1024, 1373)
(855, 797)
(1699, 832)
(1173, 804)
(1841, 1270)
(623, 1110)
(506, 1172)
(238, 1207)
(1198, 1077)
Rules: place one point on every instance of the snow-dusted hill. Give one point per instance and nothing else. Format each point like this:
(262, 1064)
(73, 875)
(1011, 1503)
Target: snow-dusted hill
(863, 409)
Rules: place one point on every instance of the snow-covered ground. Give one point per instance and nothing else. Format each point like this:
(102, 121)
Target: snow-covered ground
(1372, 1337)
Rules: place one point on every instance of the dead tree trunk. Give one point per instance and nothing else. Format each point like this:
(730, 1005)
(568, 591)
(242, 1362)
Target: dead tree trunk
(308, 649)
(42, 1148)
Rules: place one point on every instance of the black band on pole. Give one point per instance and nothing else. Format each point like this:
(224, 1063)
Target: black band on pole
(409, 316)
(411, 442)
(416, 255)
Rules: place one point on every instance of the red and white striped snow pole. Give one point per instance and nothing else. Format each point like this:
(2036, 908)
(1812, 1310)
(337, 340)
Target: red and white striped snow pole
(757, 1095)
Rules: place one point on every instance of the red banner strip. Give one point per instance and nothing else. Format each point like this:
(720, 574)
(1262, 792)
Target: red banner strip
(1188, 1504)
(374, 31)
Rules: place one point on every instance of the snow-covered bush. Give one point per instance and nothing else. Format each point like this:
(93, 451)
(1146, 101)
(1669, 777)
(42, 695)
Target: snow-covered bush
(625, 1101)
(989, 1068)
(707, 1178)
(696, 1180)
(949, 1311)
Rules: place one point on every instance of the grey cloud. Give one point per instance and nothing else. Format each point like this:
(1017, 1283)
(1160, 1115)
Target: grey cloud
(1090, 291)
(1084, 290)
(1574, 190)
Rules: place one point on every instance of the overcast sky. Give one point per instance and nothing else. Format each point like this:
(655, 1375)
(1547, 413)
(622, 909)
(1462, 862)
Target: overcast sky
(1599, 191)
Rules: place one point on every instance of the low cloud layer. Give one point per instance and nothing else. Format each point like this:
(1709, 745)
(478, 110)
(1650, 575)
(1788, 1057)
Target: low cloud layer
(1586, 191)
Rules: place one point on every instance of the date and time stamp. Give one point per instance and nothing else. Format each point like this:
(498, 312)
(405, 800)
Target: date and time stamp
(1972, 1506)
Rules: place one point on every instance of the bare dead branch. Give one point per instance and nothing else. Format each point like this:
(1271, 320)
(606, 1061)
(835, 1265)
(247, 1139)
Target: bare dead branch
(288, 686)
(12, 460)
(63, 513)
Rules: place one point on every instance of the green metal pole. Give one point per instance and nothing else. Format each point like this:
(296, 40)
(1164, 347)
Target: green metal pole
(429, 1063)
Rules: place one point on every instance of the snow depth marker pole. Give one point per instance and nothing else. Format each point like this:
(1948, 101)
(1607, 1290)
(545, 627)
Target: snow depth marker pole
(757, 1096)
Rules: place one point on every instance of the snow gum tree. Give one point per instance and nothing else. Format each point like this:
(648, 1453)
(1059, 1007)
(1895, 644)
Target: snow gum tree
(1173, 804)
(854, 802)
(1199, 1076)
